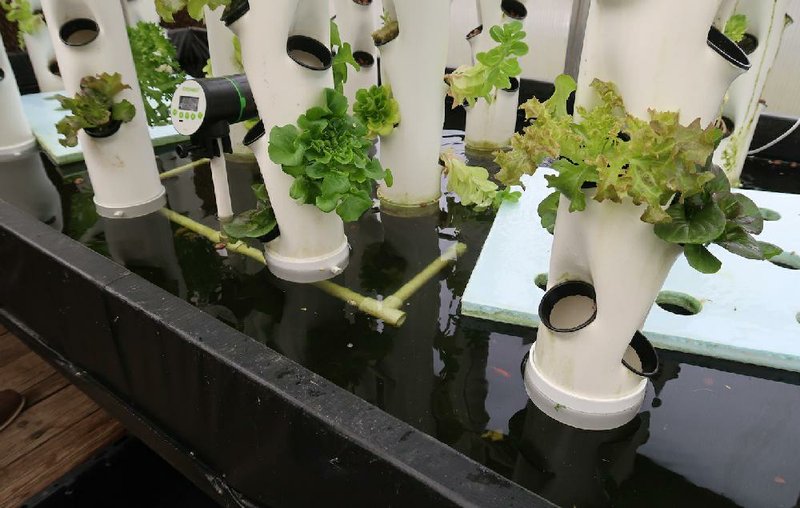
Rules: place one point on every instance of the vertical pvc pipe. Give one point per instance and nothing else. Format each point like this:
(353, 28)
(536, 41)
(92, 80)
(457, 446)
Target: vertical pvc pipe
(140, 10)
(607, 266)
(15, 132)
(413, 64)
(223, 63)
(357, 20)
(766, 22)
(489, 127)
(286, 55)
(222, 191)
(90, 37)
(43, 60)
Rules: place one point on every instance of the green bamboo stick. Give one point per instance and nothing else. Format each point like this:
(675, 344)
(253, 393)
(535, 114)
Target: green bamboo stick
(183, 169)
(400, 297)
(391, 315)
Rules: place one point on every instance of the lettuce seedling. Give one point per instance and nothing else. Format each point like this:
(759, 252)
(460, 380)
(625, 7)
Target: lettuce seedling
(21, 13)
(93, 106)
(494, 68)
(157, 68)
(656, 162)
(473, 185)
(377, 108)
(253, 223)
(327, 153)
(342, 57)
(736, 27)
(387, 32)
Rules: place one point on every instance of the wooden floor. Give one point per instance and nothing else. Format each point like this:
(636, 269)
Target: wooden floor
(59, 429)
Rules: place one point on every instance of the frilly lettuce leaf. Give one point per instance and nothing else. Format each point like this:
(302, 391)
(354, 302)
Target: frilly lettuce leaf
(473, 185)
(376, 108)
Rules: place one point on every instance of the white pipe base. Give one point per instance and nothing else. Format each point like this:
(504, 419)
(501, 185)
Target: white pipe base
(308, 269)
(581, 412)
(147, 207)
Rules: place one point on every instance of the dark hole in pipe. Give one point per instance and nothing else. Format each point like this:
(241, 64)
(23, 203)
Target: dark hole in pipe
(2, 74)
(364, 59)
(104, 131)
(363, 2)
(53, 67)
(514, 85)
(727, 49)
(257, 132)
(514, 9)
(569, 306)
(749, 44)
(726, 125)
(79, 32)
(309, 52)
(647, 357)
(475, 32)
(679, 303)
(234, 11)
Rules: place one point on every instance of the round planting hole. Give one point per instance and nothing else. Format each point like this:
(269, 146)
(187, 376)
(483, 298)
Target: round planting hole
(2, 74)
(514, 9)
(53, 67)
(514, 86)
(727, 49)
(769, 215)
(679, 303)
(104, 131)
(363, 2)
(308, 52)
(257, 132)
(79, 32)
(541, 281)
(749, 44)
(364, 59)
(726, 125)
(788, 260)
(569, 306)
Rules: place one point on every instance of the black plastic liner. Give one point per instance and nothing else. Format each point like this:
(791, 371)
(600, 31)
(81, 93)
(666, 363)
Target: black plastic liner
(247, 425)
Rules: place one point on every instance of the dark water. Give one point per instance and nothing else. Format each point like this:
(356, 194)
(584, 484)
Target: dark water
(710, 433)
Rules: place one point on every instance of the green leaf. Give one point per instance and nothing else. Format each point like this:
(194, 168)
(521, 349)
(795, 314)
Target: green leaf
(283, 146)
(20, 12)
(570, 180)
(353, 206)
(253, 223)
(301, 189)
(736, 27)
(696, 222)
(738, 241)
(342, 57)
(123, 111)
(548, 211)
(701, 259)
(770, 250)
(335, 184)
(470, 183)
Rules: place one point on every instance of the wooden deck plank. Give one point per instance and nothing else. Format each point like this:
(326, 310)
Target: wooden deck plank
(30, 474)
(11, 348)
(24, 372)
(42, 422)
(59, 429)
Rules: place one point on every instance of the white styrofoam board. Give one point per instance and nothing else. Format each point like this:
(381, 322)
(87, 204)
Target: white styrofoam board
(43, 114)
(750, 308)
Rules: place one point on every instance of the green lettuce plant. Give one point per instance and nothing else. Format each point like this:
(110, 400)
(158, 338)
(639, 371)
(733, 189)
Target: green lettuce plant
(377, 108)
(655, 162)
(473, 185)
(157, 68)
(21, 13)
(736, 27)
(253, 223)
(93, 106)
(167, 8)
(494, 68)
(327, 153)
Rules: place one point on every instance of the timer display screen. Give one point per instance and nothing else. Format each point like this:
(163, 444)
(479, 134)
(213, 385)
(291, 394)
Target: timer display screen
(187, 103)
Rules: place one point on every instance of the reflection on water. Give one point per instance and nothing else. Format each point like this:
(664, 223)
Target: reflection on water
(706, 436)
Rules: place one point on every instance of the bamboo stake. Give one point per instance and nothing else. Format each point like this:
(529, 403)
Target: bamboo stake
(183, 169)
(391, 315)
(397, 300)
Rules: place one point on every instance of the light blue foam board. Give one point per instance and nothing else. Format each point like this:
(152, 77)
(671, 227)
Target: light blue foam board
(43, 114)
(750, 308)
